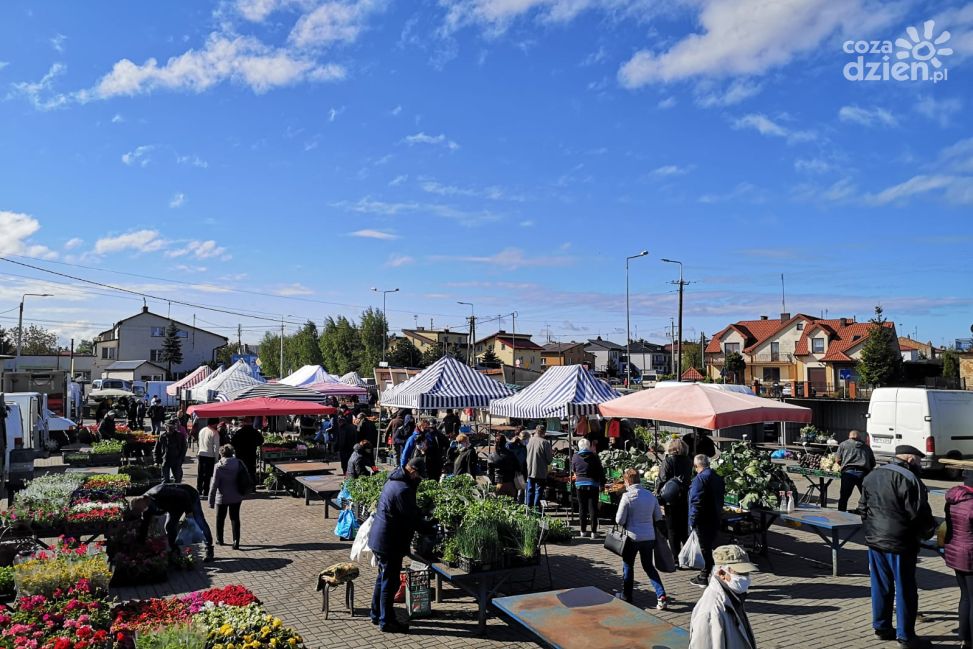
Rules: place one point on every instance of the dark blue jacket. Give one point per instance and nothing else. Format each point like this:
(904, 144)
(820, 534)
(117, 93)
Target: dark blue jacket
(395, 517)
(706, 494)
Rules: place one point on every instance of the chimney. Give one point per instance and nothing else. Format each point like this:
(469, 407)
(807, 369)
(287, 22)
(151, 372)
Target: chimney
(843, 322)
(420, 328)
(785, 316)
(145, 309)
(763, 317)
(501, 332)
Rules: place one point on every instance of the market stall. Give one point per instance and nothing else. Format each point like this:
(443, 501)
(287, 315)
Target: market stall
(194, 378)
(307, 375)
(330, 389)
(272, 391)
(447, 383)
(352, 378)
(233, 379)
(259, 407)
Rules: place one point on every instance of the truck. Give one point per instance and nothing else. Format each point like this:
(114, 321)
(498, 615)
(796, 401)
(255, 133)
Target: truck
(158, 389)
(33, 410)
(937, 422)
(54, 383)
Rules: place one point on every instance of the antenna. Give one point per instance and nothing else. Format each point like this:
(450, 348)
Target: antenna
(783, 301)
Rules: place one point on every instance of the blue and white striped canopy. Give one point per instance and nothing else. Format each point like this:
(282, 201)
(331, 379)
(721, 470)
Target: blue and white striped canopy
(273, 391)
(560, 392)
(447, 383)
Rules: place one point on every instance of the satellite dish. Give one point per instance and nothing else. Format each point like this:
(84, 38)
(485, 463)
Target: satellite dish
(971, 328)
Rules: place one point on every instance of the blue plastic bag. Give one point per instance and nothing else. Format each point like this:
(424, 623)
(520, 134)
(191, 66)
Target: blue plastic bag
(344, 495)
(189, 533)
(779, 454)
(347, 526)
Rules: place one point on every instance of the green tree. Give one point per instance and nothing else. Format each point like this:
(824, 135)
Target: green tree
(340, 345)
(881, 361)
(404, 354)
(302, 348)
(735, 365)
(268, 352)
(490, 358)
(950, 365)
(690, 356)
(431, 355)
(85, 347)
(171, 348)
(37, 340)
(372, 330)
(6, 342)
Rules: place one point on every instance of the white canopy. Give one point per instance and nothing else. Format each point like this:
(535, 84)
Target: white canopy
(307, 375)
(352, 378)
(560, 392)
(232, 379)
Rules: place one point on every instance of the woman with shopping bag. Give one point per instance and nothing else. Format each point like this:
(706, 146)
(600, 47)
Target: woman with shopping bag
(638, 513)
(231, 481)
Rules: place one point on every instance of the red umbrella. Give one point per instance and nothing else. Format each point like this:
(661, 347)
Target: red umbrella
(259, 407)
(702, 407)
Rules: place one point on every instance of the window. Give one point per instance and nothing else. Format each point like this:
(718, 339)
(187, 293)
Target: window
(800, 326)
(775, 351)
(155, 355)
(158, 332)
(108, 353)
(543, 361)
(729, 348)
(817, 345)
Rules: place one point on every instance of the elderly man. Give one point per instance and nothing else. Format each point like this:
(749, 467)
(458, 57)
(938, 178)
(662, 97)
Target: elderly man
(896, 517)
(706, 495)
(540, 453)
(719, 620)
(856, 460)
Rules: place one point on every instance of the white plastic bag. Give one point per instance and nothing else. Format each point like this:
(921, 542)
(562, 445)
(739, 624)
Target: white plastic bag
(691, 557)
(360, 546)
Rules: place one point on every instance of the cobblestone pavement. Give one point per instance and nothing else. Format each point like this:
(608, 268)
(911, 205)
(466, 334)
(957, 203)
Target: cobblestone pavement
(794, 601)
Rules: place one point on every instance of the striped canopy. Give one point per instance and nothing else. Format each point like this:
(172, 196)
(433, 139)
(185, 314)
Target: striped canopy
(352, 378)
(232, 379)
(275, 391)
(560, 392)
(339, 390)
(195, 377)
(447, 383)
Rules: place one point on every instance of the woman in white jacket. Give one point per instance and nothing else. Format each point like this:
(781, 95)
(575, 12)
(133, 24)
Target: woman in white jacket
(719, 620)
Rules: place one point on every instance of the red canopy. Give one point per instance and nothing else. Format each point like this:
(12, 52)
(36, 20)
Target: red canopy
(703, 407)
(259, 407)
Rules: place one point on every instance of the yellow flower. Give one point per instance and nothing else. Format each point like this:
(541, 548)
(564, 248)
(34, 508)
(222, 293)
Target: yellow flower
(248, 638)
(273, 642)
(226, 629)
(218, 646)
(277, 623)
(265, 630)
(292, 642)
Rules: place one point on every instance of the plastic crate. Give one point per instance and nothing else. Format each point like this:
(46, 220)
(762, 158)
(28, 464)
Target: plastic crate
(417, 594)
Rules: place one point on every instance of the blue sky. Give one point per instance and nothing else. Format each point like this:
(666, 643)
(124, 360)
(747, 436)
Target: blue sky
(282, 157)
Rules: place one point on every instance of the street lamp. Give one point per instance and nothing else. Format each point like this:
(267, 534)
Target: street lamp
(681, 284)
(20, 324)
(385, 338)
(469, 352)
(628, 323)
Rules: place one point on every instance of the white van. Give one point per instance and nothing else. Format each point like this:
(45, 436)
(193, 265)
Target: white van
(937, 422)
(33, 409)
(14, 433)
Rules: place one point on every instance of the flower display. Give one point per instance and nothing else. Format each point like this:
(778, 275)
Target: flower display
(107, 447)
(107, 481)
(72, 618)
(56, 570)
(109, 513)
(145, 614)
(233, 595)
(246, 627)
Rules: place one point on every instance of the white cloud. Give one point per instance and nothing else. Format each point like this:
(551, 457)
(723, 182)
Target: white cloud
(41, 93)
(199, 250)
(395, 112)
(292, 290)
(258, 10)
(708, 95)
(367, 205)
(423, 138)
(916, 185)
(874, 116)
(497, 15)
(750, 37)
(139, 240)
(666, 171)
(511, 259)
(57, 42)
(812, 165)
(398, 180)
(526, 224)
(667, 103)
(71, 244)
(741, 191)
(333, 22)
(334, 112)
(139, 155)
(117, 119)
(493, 192)
(4, 64)
(397, 261)
(177, 200)
(192, 161)
(238, 59)
(191, 269)
(17, 229)
(938, 110)
(374, 234)
(766, 126)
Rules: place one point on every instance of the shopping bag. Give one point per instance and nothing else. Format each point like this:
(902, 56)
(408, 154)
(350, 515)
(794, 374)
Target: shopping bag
(519, 483)
(360, 545)
(344, 495)
(189, 533)
(347, 525)
(617, 541)
(691, 557)
(662, 553)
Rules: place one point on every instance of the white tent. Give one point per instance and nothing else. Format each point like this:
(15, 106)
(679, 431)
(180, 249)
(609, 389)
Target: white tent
(447, 383)
(560, 392)
(352, 378)
(233, 378)
(307, 375)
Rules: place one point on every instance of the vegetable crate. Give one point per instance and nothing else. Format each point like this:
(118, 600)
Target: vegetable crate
(474, 565)
(417, 599)
(283, 455)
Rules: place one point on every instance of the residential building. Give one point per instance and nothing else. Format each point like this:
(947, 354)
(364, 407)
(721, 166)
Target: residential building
(821, 352)
(441, 340)
(510, 375)
(608, 355)
(966, 369)
(139, 338)
(571, 353)
(910, 351)
(135, 371)
(512, 349)
(82, 364)
(650, 357)
(926, 351)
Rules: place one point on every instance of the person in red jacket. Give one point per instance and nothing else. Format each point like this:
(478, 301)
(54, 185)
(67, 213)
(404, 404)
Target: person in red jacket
(958, 548)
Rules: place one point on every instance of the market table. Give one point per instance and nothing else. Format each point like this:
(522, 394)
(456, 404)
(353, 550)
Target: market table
(824, 480)
(323, 486)
(296, 469)
(480, 585)
(835, 528)
(590, 618)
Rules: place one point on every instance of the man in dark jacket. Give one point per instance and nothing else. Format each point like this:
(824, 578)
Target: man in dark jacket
(245, 443)
(589, 476)
(706, 496)
(896, 517)
(156, 415)
(169, 451)
(173, 501)
(347, 436)
(367, 429)
(361, 461)
(466, 460)
(856, 460)
(395, 520)
(451, 424)
(107, 426)
(700, 444)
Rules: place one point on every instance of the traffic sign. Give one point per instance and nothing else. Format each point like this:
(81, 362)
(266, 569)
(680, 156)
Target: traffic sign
(845, 374)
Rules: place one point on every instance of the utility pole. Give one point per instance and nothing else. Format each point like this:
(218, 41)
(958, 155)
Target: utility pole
(682, 285)
(280, 371)
(470, 356)
(628, 323)
(672, 347)
(385, 338)
(239, 339)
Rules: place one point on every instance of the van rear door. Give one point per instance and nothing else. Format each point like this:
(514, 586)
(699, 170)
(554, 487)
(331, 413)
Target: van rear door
(911, 419)
(951, 414)
(881, 420)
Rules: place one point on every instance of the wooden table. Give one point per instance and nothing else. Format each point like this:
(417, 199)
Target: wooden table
(481, 585)
(824, 480)
(322, 486)
(590, 618)
(295, 469)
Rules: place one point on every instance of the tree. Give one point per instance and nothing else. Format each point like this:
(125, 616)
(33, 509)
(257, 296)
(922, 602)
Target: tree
(950, 365)
(37, 341)
(881, 361)
(340, 344)
(269, 354)
(224, 355)
(372, 330)
(6, 342)
(302, 348)
(85, 347)
(690, 356)
(431, 355)
(404, 354)
(735, 365)
(171, 348)
(490, 358)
